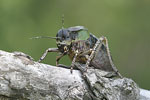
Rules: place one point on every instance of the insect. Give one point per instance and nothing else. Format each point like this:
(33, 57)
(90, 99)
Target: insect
(75, 42)
(83, 47)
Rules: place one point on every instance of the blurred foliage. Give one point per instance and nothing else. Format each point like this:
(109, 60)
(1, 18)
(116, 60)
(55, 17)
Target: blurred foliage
(126, 24)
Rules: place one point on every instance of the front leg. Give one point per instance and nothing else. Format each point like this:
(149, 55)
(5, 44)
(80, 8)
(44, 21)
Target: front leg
(48, 50)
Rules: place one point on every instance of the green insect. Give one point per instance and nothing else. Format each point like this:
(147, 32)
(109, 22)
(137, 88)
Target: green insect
(83, 47)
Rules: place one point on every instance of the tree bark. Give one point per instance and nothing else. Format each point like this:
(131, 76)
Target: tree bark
(21, 78)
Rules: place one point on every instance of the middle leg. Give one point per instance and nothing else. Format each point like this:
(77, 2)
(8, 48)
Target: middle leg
(74, 60)
(58, 58)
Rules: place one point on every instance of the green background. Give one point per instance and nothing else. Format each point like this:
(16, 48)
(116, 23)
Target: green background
(126, 24)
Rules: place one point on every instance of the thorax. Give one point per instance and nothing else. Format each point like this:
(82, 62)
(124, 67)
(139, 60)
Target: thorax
(80, 46)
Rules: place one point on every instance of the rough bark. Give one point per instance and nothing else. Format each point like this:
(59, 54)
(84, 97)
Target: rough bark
(24, 79)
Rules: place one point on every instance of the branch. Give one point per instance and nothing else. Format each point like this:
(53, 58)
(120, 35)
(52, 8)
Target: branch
(23, 78)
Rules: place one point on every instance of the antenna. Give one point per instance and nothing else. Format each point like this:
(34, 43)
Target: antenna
(63, 21)
(39, 37)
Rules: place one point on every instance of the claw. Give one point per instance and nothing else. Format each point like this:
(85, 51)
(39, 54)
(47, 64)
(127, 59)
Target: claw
(39, 61)
(84, 75)
(57, 64)
(71, 70)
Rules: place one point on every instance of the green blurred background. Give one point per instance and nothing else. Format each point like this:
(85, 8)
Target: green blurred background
(126, 24)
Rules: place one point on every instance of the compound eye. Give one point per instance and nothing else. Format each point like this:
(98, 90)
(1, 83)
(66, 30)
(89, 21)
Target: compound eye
(65, 35)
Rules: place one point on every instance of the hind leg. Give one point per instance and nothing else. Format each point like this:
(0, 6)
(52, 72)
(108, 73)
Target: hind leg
(99, 42)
